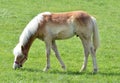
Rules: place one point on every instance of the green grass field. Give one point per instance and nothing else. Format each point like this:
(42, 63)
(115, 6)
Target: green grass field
(14, 15)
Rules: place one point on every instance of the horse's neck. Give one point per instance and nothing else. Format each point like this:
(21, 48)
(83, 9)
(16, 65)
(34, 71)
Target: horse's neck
(27, 46)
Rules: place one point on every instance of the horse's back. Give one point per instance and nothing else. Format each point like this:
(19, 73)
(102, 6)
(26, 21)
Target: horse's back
(61, 18)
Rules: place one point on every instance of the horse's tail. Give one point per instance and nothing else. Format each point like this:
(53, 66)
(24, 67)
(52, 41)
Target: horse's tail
(96, 40)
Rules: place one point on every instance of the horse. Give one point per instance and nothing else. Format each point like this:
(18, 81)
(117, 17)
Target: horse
(50, 27)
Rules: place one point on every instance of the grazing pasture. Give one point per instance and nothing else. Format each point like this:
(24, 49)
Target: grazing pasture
(14, 15)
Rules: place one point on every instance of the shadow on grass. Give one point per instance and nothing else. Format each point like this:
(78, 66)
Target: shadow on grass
(30, 70)
(65, 72)
(56, 71)
(72, 72)
(87, 73)
(109, 73)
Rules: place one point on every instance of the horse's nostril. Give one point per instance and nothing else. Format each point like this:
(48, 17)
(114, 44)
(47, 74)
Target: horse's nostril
(20, 65)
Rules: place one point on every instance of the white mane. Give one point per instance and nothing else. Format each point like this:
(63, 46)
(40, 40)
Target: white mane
(29, 30)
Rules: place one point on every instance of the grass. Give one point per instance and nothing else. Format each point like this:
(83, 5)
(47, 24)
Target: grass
(14, 15)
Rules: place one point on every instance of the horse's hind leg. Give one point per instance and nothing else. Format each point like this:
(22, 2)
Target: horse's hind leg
(88, 48)
(93, 54)
(86, 53)
(54, 47)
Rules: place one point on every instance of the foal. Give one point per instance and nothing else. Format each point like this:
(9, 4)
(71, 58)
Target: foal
(57, 26)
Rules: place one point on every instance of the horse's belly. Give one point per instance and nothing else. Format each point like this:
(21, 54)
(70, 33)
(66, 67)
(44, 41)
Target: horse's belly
(64, 35)
(63, 32)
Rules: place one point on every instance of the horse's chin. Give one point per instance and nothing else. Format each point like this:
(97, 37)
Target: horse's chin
(15, 66)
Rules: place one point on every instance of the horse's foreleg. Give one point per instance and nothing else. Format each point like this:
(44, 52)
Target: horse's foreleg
(54, 47)
(48, 50)
(86, 54)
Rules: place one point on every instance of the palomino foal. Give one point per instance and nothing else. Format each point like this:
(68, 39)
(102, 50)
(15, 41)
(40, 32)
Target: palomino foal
(57, 26)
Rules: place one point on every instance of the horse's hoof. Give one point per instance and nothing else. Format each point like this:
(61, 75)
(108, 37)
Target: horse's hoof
(95, 71)
(45, 69)
(82, 69)
(64, 68)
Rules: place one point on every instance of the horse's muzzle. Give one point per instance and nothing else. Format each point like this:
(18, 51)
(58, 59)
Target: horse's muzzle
(15, 66)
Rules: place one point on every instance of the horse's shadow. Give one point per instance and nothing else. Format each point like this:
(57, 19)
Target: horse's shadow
(86, 73)
(51, 71)
(30, 70)
(72, 72)
(109, 73)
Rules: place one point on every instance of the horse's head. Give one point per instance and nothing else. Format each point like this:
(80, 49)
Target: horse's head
(20, 56)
